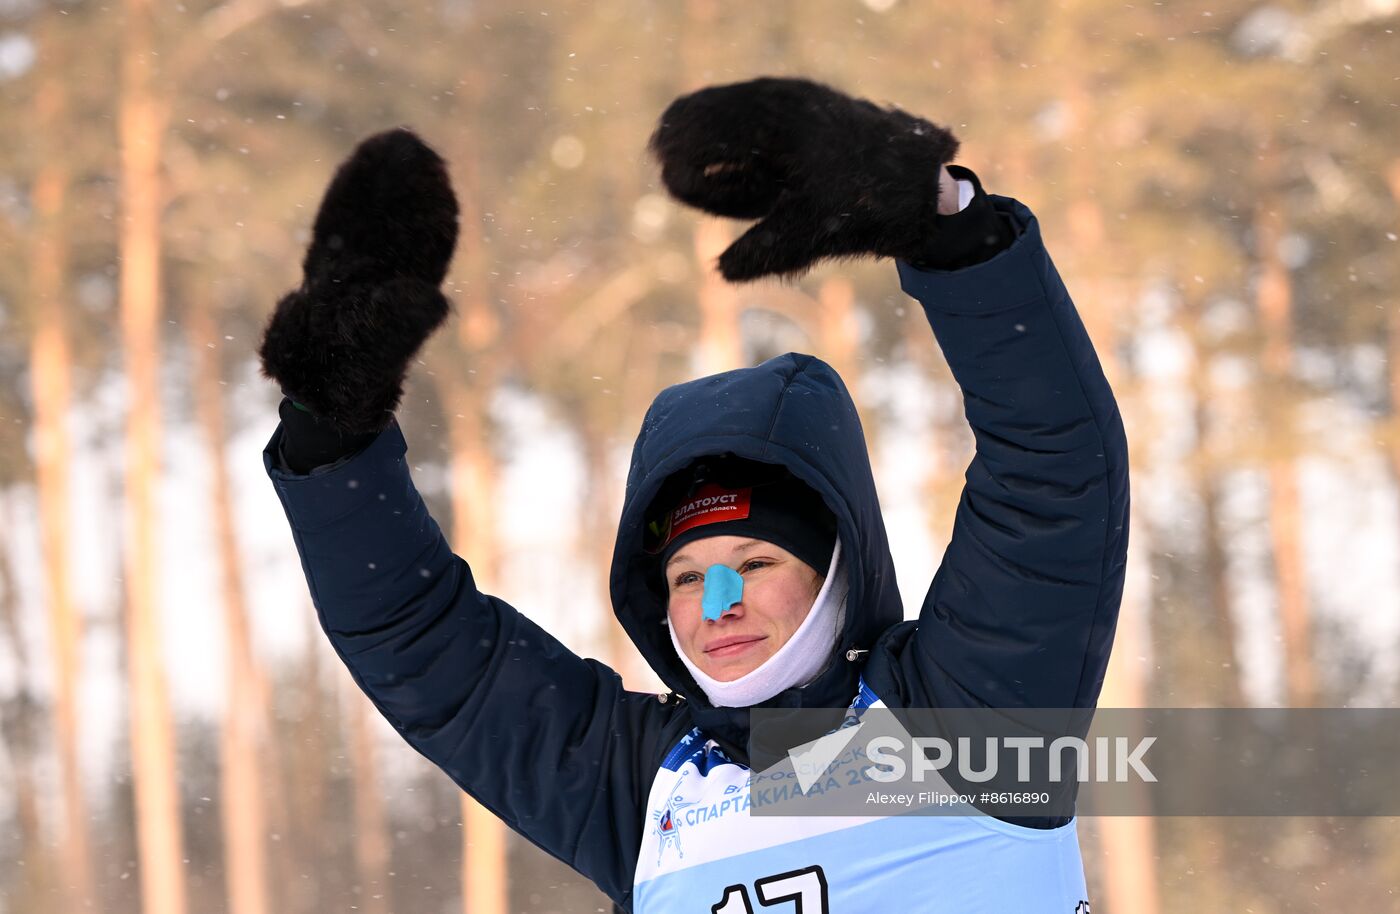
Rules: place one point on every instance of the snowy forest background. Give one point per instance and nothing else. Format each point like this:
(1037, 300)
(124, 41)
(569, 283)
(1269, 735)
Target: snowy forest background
(1218, 181)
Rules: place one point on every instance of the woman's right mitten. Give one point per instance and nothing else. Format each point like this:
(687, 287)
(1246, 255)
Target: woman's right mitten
(340, 344)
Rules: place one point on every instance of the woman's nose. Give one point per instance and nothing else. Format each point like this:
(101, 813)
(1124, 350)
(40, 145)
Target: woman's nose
(723, 588)
(735, 609)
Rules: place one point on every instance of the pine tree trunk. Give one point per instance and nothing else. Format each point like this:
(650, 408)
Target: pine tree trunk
(837, 330)
(484, 874)
(721, 346)
(35, 887)
(1231, 694)
(305, 847)
(242, 802)
(1130, 842)
(598, 546)
(1275, 302)
(371, 823)
(1130, 876)
(1228, 686)
(152, 730)
(51, 374)
(837, 339)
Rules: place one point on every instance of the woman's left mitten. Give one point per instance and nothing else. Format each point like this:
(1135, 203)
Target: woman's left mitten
(826, 174)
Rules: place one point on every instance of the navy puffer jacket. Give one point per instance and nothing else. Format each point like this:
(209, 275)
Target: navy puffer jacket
(1020, 614)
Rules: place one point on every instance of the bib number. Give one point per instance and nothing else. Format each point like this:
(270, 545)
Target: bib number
(806, 888)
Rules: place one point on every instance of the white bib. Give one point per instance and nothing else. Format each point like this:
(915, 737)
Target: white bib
(703, 852)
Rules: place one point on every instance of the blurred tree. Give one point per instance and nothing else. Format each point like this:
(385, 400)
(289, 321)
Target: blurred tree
(141, 121)
(1274, 292)
(468, 370)
(51, 376)
(243, 772)
(1219, 636)
(468, 367)
(371, 829)
(311, 739)
(20, 722)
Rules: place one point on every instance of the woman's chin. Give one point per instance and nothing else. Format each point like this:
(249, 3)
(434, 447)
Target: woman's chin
(737, 668)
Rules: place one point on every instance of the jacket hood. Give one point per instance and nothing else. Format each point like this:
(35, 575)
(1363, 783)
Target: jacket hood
(792, 411)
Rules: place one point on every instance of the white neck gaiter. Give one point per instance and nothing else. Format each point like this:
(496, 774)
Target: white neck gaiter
(797, 662)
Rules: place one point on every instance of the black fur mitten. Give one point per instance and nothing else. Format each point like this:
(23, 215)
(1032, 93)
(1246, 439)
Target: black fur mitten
(341, 343)
(828, 175)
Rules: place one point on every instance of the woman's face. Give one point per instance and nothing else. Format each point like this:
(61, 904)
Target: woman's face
(779, 590)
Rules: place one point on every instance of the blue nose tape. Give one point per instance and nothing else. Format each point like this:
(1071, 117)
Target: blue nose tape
(723, 588)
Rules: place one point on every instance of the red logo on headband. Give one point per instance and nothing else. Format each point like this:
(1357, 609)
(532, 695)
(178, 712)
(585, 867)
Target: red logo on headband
(711, 504)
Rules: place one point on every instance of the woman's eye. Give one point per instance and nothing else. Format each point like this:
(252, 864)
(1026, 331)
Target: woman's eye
(754, 563)
(686, 577)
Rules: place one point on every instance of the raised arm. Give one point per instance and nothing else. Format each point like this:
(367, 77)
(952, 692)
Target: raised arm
(1022, 610)
(549, 742)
